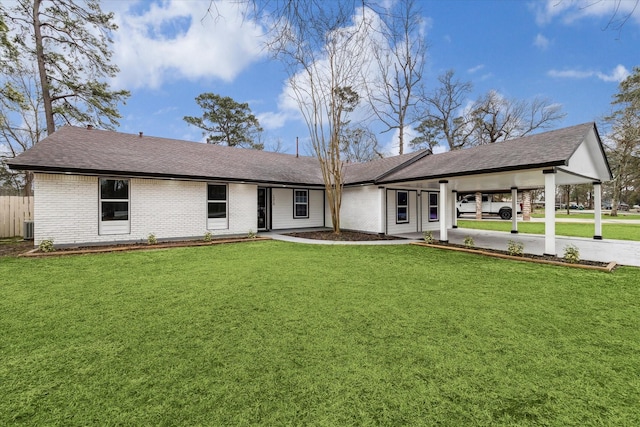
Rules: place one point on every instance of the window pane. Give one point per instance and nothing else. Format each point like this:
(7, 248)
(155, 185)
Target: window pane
(114, 189)
(217, 192)
(115, 211)
(217, 210)
(301, 196)
(301, 211)
(402, 198)
(433, 213)
(402, 214)
(433, 199)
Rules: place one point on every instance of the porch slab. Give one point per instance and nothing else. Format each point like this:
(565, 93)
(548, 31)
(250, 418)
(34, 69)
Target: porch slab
(623, 252)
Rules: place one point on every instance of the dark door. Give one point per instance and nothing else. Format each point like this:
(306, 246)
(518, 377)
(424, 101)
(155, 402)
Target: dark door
(262, 209)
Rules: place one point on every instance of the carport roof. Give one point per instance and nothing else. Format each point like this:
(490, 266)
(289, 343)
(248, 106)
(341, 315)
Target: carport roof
(540, 151)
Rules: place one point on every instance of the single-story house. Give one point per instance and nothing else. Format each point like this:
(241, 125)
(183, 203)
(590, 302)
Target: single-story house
(96, 186)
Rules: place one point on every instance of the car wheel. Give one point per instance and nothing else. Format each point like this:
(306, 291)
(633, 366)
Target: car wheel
(505, 214)
(457, 213)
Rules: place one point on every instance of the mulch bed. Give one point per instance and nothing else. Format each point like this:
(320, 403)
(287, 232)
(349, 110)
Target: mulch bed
(15, 247)
(344, 236)
(545, 259)
(135, 246)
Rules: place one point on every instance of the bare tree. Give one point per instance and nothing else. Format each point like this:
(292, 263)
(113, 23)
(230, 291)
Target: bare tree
(444, 120)
(323, 47)
(400, 56)
(625, 135)
(496, 118)
(22, 123)
(359, 145)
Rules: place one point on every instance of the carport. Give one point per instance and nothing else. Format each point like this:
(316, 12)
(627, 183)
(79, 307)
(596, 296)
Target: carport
(567, 156)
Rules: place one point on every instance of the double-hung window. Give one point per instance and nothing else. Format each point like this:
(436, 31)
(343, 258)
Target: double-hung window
(433, 206)
(402, 206)
(217, 207)
(114, 206)
(301, 204)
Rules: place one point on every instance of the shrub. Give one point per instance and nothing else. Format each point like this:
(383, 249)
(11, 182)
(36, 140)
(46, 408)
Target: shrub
(252, 234)
(571, 254)
(152, 239)
(468, 242)
(46, 245)
(207, 236)
(428, 237)
(515, 248)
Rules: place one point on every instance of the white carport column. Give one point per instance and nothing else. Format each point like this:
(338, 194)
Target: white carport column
(597, 210)
(454, 214)
(444, 237)
(549, 212)
(514, 210)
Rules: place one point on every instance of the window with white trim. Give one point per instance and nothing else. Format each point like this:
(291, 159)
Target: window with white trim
(300, 204)
(114, 206)
(402, 206)
(217, 207)
(433, 206)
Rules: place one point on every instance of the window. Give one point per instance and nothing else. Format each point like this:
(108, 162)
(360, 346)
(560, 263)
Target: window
(433, 206)
(301, 203)
(216, 206)
(114, 206)
(402, 207)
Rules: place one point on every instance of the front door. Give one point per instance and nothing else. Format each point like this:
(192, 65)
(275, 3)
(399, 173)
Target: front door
(262, 209)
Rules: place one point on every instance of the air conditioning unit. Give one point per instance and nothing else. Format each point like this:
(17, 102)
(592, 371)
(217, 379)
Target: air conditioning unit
(27, 230)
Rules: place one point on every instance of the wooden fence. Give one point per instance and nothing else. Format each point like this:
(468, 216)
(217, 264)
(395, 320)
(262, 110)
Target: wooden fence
(14, 210)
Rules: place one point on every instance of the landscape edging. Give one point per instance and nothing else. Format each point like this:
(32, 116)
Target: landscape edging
(34, 253)
(609, 268)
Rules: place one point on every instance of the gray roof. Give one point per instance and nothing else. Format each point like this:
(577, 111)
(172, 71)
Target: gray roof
(92, 151)
(546, 149)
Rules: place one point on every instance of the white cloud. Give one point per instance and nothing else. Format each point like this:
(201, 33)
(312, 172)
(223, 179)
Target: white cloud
(180, 40)
(615, 12)
(475, 69)
(619, 73)
(541, 42)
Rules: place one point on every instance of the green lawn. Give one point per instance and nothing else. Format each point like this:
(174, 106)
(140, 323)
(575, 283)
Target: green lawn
(272, 333)
(582, 215)
(609, 231)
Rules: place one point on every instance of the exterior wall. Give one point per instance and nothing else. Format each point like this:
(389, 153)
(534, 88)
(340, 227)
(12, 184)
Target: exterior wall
(424, 213)
(282, 209)
(408, 227)
(66, 209)
(361, 209)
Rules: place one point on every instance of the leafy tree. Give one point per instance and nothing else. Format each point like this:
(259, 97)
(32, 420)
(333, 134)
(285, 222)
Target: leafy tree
(625, 137)
(225, 121)
(69, 42)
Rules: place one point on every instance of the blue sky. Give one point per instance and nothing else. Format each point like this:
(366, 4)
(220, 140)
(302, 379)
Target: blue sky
(169, 52)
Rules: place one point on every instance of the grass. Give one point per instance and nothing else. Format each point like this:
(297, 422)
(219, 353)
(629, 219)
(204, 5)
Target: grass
(583, 215)
(273, 333)
(609, 231)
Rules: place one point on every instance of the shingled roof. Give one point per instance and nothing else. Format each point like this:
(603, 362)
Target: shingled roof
(91, 151)
(543, 150)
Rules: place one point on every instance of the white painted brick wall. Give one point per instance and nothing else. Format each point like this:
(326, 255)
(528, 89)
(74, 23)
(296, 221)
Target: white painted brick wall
(66, 209)
(360, 209)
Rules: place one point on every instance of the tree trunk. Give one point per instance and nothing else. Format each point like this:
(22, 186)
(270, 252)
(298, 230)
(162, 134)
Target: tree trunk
(44, 83)
(478, 206)
(526, 205)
